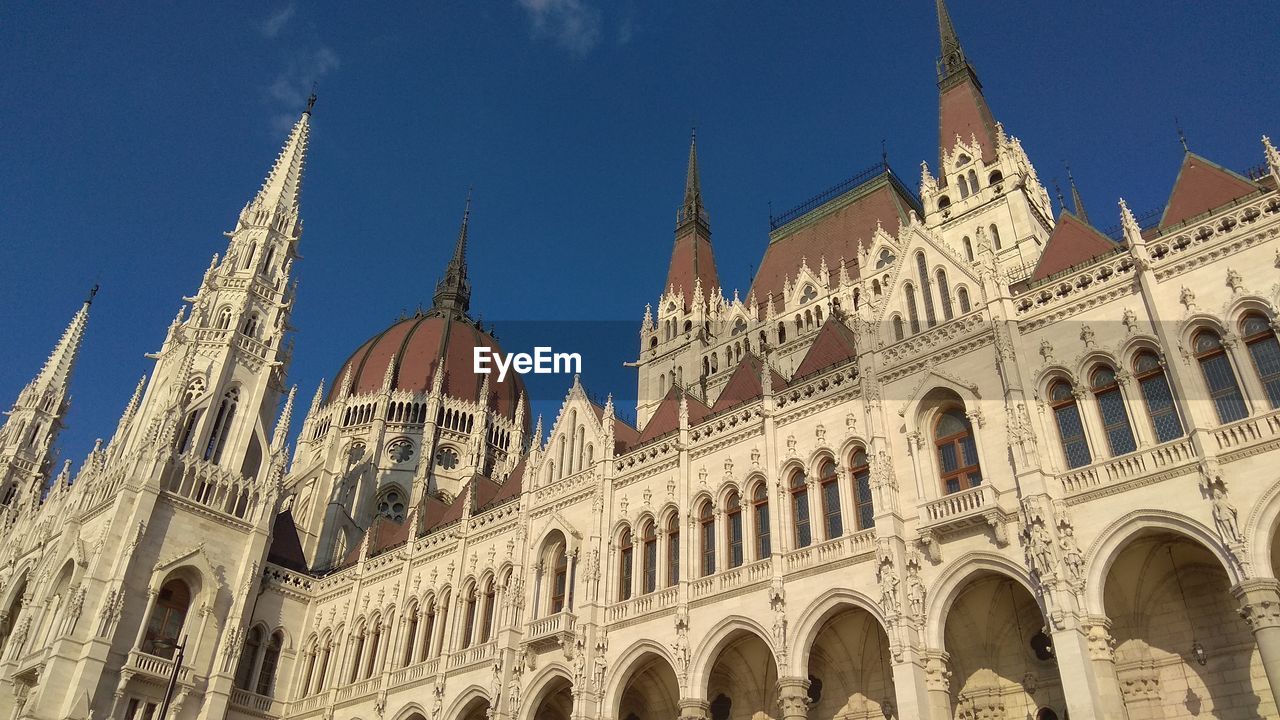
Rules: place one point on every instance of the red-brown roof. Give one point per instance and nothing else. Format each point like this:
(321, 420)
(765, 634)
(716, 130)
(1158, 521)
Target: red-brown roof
(422, 345)
(666, 418)
(624, 436)
(963, 111)
(834, 345)
(510, 488)
(833, 231)
(744, 384)
(692, 260)
(1202, 186)
(286, 550)
(1072, 242)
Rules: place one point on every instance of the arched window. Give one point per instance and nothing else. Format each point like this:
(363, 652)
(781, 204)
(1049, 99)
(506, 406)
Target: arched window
(429, 632)
(224, 319)
(829, 485)
(649, 558)
(863, 506)
(270, 661)
(707, 529)
(973, 181)
(1219, 377)
(271, 255)
(923, 271)
(673, 549)
(470, 606)
(187, 436)
(944, 293)
(995, 177)
(490, 604)
(760, 508)
(944, 202)
(912, 315)
(309, 669)
(962, 296)
(1115, 418)
(248, 257)
(995, 236)
(968, 248)
(411, 637)
(375, 640)
(800, 508)
(1070, 428)
(559, 579)
(222, 425)
(733, 517)
(164, 627)
(391, 504)
(957, 452)
(625, 553)
(963, 185)
(782, 333)
(899, 331)
(248, 658)
(322, 677)
(1264, 350)
(1157, 396)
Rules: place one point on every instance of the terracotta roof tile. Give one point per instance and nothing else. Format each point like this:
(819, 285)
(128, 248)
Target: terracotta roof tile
(834, 344)
(667, 417)
(744, 384)
(1202, 186)
(963, 111)
(1072, 242)
(692, 260)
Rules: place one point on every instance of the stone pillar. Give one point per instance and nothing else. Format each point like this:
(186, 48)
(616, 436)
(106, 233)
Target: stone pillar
(911, 688)
(793, 698)
(1259, 600)
(938, 683)
(694, 709)
(1073, 646)
(1102, 658)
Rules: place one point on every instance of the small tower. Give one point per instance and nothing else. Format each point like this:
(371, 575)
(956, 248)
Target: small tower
(452, 298)
(26, 439)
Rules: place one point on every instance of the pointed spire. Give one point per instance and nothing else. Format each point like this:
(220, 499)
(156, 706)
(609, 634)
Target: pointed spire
(130, 411)
(316, 399)
(1273, 157)
(453, 292)
(691, 209)
(56, 372)
(1062, 201)
(282, 426)
(951, 60)
(1076, 202)
(283, 185)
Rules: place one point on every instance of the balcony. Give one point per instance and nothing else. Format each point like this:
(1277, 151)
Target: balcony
(359, 688)
(825, 553)
(1247, 432)
(157, 668)
(412, 673)
(1128, 467)
(551, 631)
(254, 703)
(959, 510)
(733, 577)
(475, 655)
(647, 603)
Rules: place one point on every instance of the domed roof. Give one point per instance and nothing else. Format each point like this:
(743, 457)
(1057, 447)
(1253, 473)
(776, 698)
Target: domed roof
(422, 346)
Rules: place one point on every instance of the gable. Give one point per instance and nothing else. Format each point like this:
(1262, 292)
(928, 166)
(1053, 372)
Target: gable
(834, 344)
(1202, 186)
(1072, 242)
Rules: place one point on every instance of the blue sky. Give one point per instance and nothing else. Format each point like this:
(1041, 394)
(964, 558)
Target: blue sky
(131, 134)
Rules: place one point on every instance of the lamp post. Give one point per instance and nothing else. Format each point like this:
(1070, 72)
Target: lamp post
(178, 650)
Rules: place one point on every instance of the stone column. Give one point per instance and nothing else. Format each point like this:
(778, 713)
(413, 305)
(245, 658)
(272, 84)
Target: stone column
(938, 681)
(911, 687)
(694, 709)
(1082, 683)
(1259, 600)
(1102, 658)
(793, 698)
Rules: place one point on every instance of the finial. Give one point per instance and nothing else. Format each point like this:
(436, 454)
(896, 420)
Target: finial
(1182, 137)
(1062, 203)
(93, 292)
(884, 154)
(311, 99)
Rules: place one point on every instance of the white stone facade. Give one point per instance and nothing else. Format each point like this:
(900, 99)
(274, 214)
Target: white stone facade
(1050, 497)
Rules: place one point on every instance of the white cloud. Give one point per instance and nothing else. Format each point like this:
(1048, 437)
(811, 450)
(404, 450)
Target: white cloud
(303, 70)
(272, 26)
(575, 25)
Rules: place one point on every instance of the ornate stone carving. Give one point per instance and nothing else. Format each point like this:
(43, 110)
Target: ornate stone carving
(915, 588)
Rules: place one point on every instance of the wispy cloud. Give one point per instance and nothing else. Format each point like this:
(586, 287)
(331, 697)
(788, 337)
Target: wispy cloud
(574, 25)
(271, 27)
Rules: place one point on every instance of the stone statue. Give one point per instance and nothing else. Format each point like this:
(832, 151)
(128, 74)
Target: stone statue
(1225, 516)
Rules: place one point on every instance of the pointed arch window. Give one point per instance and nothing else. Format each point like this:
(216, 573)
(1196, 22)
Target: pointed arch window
(559, 579)
(164, 627)
(673, 549)
(899, 332)
(707, 529)
(925, 293)
(968, 248)
(1075, 448)
(222, 425)
(625, 557)
(957, 451)
(944, 293)
(1219, 376)
(411, 637)
(471, 605)
(963, 185)
(1264, 350)
(800, 508)
(1157, 396)
(760, 509)
(995, 236)
(649, 558)
(973, 181)
(428, 632)
(248, 658)
(1115, 418)
(270, 661)
(863, 506)
(962, 297)
(912, 315)
(733, 517)
(271, 255)
(829, 486)
(224, 319)
(490, 604)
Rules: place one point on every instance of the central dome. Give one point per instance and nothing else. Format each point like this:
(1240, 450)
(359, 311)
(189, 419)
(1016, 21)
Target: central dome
(422, 346)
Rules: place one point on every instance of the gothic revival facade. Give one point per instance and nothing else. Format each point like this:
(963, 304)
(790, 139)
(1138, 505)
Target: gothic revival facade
(955, 453)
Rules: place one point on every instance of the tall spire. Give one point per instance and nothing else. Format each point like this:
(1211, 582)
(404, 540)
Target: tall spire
(1076, 202)
(691, 209)
(283, 185)
(56, 372)
(951, 61)
(453, 292)
(963, 112)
